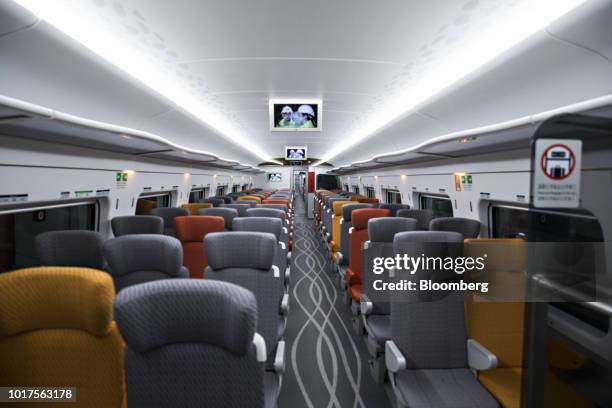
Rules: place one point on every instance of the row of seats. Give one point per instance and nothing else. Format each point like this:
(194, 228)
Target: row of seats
(176, 341)
(432, 364)
(427, 362)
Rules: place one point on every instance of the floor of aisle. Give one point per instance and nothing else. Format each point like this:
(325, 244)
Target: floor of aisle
(327, 363)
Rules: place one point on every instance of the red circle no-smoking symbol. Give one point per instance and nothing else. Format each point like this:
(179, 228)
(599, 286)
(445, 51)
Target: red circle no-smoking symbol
(558, 162)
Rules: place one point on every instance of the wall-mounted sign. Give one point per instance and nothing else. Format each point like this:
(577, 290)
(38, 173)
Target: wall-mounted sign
(463, 182)
(121, 178)
(556, 173)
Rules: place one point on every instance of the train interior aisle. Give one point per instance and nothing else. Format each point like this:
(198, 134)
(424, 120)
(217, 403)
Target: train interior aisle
(317, 204)
(327, 362)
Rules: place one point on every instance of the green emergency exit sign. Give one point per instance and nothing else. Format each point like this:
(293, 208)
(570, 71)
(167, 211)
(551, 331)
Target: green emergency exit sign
(466, 179)
(121, 176)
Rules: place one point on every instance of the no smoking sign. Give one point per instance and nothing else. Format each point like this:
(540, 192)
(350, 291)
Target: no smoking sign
(557, 173)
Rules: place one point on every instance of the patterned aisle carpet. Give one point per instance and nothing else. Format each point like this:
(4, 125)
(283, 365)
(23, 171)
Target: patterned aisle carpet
(326, 362)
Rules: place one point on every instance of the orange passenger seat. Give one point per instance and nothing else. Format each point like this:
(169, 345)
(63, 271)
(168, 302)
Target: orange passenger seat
(191, 230)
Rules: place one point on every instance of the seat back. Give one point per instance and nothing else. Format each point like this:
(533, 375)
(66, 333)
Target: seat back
(137, 224)
(134, 259)
(70, 248)
(282, 207)
(216, 202)
(432, 335)
(383, 230)
(168, 214)
(250, 198)
(228, 214)
(266, 212)
(226, 198)
(394, 208)
(276, 201)
(194, 207)
(499, 326)
(251, 203)
(57, 330)
(247, 259)
(354, 197)
(469, 228)
(347, 223)
(423, 217)
(336, 225)
(369, 200)
(191, 231)
(190, 341)
(269, 225)
(328, 215)
(357, 237)
(241, 208)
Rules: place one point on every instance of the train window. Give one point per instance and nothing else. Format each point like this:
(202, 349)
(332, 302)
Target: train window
(441, 206)
(245, 187)
(393, 197)
(356, 190)
(235, 188)
(19, 228)
(147, 202)
(345, 187)
(370, 192)
(549, 226)
(198, 194)
(221, 190)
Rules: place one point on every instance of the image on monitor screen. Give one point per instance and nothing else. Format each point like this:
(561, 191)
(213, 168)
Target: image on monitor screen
(275, 177)
(295, 153)
(292, 115)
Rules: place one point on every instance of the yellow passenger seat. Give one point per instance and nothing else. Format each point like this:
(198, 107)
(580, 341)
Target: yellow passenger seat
(499, 326)
(249, 198)
(336, 230)
(57, 330)
(194, 207)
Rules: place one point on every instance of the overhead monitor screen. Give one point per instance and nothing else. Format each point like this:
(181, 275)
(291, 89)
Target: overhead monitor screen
(295, 153)
(295, 115)
(275, 177)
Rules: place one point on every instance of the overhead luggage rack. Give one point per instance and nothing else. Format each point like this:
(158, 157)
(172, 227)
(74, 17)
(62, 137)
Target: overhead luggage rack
(25, 120)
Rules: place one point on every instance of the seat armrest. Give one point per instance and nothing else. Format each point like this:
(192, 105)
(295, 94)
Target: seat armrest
(287, 275)
(367, 244)
(288, 256)
(284, 305)
(282, 245)
(339, 258)
(365, 305)
(351, 230)
(394, 359)
(479, 357)
(341, 221)
(260, 348)
(279, 358)
(285, 230)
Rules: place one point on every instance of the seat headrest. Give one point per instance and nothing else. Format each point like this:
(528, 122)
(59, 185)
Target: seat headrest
(503, 254)
(169, 213)
(134, 253)
(266, 212)
(194, 207)
(159, 313)
(423, 217)
(282, 207)
(285, 202)
(254, 250)
(384, 229)
(137, 224)
(467, 227)
(228, 214)
(216, 202)
(259, 224)
(337, 206)
(251, 203)
(226, 199)
(347, 210)
(362, 216)
(250, 198)
(428, 236)
(193, 228)
(57, 297)
(369, 200)
(394, 208)
(355, 197)
(70, 248)
(241, 208)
